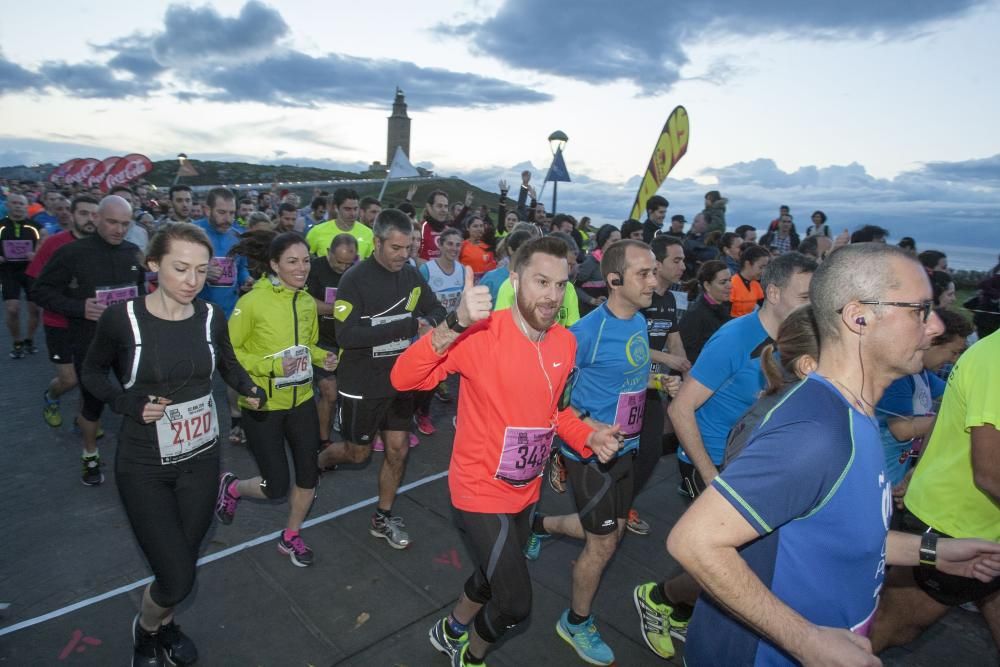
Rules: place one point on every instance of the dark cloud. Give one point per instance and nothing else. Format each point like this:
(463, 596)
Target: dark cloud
(192, 34)
(14, 78)
(93, 80)
(296, 79)
(985, 170)
(133, 55)
(645, 41)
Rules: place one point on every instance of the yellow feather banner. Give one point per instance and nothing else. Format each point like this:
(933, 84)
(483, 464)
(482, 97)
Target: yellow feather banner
(670, 148)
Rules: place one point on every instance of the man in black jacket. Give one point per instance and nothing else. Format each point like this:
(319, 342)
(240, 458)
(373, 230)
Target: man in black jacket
(382, 304)
(656, 213)
(81, 280)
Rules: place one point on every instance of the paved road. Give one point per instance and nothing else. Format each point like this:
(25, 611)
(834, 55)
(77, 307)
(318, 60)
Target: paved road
(362, 603)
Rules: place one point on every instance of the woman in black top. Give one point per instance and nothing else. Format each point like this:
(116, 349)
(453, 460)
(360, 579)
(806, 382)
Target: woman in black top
(164, 349)
(710, 311)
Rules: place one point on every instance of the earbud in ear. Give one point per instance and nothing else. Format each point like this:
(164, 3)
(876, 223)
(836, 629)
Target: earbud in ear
(860, 321)
(616, 282)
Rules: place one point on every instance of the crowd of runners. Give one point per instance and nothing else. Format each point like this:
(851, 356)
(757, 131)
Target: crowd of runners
(837, 443)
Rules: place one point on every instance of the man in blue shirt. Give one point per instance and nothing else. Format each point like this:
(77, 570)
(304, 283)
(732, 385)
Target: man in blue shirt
(611, 376)
(792, 540)
(225, 275)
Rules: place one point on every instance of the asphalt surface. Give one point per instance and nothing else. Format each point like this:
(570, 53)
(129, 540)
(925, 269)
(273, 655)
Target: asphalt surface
(72, 573)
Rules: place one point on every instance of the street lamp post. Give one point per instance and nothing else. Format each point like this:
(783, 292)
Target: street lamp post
(557, 141)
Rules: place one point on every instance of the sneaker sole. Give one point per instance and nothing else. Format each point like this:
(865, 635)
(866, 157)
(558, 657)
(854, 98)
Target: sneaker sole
(637, 531)
(568, 638)
(97, 483)
(291, 556)
(428, 432)
(224, 481)
(375, 533)
(642, 626)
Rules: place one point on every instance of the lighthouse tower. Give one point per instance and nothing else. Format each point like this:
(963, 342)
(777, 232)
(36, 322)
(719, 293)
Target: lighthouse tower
(399, 129)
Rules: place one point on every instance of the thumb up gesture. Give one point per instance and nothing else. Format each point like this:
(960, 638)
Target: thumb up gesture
(476, 303)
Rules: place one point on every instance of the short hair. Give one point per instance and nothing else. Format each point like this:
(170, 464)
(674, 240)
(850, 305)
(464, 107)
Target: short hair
(560, 218)
(869, 233)
(529, 227)
(159, 245)
(779, 271)
(219, 193)
(257, 217)
(751, 253)
(435, 193)
(660, 244)
(318, 202)
(366, 202)
(857, 272)
(727, 239)
(340, 195)
(574, 249)
(546, 245)
(286, 207)
(513, 241)
(784, 208)
(449, 231)
(613, 260)
(907, 243)
(713, 196)
(244, 200)
(342, 239)
(810, 246)
(630, 226)
(178, 188)
(115, 190)
(82, 199)
(677, 218)
(821, 214)
(930, 258)
(407, 208)
(743, 229)
(955, 326)
(655, 202)
(391, 220)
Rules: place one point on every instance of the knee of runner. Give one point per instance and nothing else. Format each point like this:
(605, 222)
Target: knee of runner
(172, 591)
(477, 588)
(492, 622)
(274, 490)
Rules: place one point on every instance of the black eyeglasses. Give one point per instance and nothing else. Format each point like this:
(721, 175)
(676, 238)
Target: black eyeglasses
(924, 307)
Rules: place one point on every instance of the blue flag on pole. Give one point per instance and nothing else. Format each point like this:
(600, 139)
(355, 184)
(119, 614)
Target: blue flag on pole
(558, 171)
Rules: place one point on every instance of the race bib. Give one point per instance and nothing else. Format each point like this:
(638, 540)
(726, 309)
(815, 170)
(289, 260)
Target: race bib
(449, 300)
(109, 296)
(330, 295)
(628, 415)
(186, 428)
(396, 347)
(228, 276)
(18, 251)
(302, 373)
(525, 453)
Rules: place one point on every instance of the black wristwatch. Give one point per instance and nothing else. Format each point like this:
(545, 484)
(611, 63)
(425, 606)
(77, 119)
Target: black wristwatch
(452, 321)
(928, 548)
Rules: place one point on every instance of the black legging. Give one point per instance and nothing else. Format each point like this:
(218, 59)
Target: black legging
(170, 509)
(650, 443)
(501, 582)
(267, 431)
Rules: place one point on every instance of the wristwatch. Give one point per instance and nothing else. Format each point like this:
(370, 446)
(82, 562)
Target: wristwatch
(928, 548)
(453, 323)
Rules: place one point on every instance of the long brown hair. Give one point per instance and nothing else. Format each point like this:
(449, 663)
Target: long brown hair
(798, 336)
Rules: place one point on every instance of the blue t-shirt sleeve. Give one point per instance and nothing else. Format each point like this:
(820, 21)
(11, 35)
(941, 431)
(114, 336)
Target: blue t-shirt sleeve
(717, 362)
(936, 383)
(424, 272)
(785, 472)
(897, 399)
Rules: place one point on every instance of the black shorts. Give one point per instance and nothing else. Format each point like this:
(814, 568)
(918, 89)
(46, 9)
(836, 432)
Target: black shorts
(691, 482)
(361, 419)
(12, 281)
(603, 492)
(948, 589)
(58, 340)
(320, 373)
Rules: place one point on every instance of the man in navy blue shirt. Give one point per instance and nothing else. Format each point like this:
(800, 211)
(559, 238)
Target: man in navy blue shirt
(611, 377)
(792, 539)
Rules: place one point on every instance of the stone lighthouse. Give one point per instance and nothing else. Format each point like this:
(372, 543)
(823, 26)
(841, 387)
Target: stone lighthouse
(399, 128)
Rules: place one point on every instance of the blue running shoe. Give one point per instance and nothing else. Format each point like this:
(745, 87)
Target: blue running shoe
(534, 546)
(585, 640)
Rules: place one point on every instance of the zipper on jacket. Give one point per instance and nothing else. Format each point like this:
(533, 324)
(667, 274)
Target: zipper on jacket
(295, 320)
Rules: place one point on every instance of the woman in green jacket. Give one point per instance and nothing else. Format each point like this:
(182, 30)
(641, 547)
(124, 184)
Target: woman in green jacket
(274, 332)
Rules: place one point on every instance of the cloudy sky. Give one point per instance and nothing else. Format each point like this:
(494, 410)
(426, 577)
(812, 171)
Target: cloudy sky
(873, 111)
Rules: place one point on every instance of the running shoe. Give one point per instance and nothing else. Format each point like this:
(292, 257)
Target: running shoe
(17, 351)
(29, 346)
(425, 425)
(391, 530)
(225, 503)
(533, 547)
(414, 440)
(51, 412)
(458, 660)
(377, 444)
(445, 643)
(77, 431)
(178, 649)
(296, 550)
(654, 620)
(585, 640)
(91, 474)
(557, 473)
(442, 393)
(145, 646)
(635, 524)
